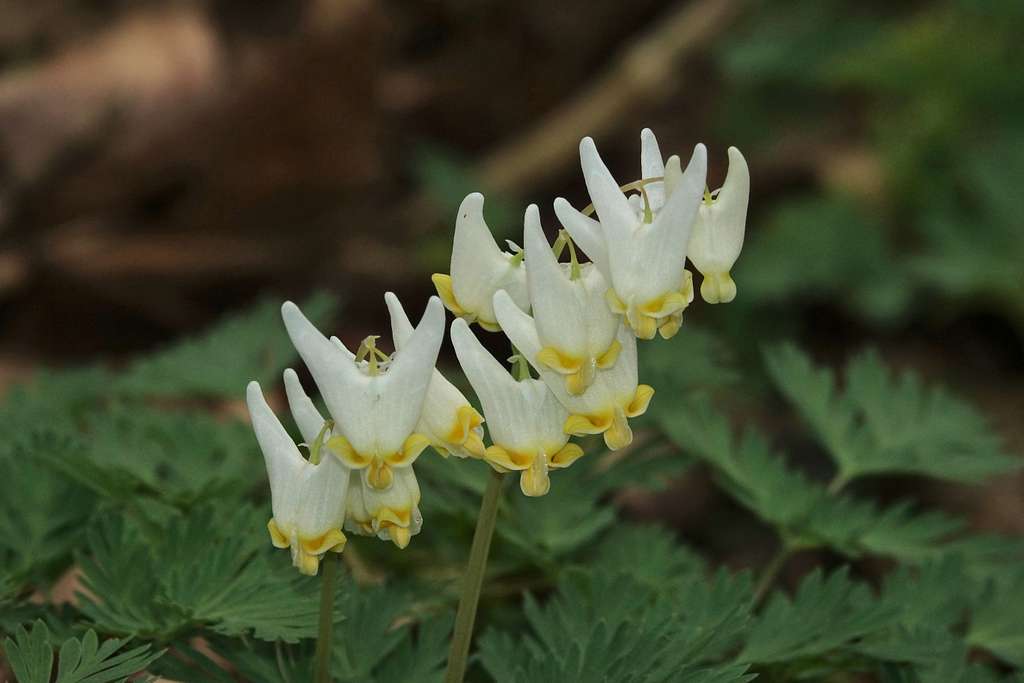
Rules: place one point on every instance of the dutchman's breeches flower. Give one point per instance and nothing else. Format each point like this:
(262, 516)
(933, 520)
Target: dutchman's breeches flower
(376, 405)
(479, 268)
(613, 397)
(307, 496)
(576, 328)
(717, 236)
(524, 418)
(640, 245)
(448, 419)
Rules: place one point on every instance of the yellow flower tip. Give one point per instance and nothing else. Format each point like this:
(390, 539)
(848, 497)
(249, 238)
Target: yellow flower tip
(535, 481)
(618, 435)
(277, 537)
(394, 517)
(608, 358)
(664, 305)
(509, 460)
(340, 447)
(670, 326)
(718, 288)
(644, 326)
(400, 536)
(414, 444)
(380, 476)
(569, 454)
(578, 425)
(332, 540)
(443, 285)
(687, 289)
(641, 399)
(578, 382)
(562, 363)
(474, 445)
(306, 564)
(490, 326)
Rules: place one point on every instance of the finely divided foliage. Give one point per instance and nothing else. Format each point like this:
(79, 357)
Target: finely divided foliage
(152, 506)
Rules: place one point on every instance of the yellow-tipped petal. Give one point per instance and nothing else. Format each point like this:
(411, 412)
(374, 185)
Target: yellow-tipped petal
(276, 536)
(608, 358)
(380, 476)
(664, 305)
(340, 446)
(569, 454)
(615, 303)
(490, 326)
(411, 449)
(332, 540)
(618, 435)
(562, 363)
(577, 425)
(306, 564)
(718, 288)
(534, 481)
(443, 285)
(510, 460)
(474, 445)
(670, 326)
(466, 420)
(392, 517)
(644, 326)
(641, 399)
(578, 382)
(400, 536)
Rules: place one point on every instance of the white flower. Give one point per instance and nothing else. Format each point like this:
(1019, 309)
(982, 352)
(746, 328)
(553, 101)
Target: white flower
(640, 246)
(717, 236)
(614, 396)
(390, 515)
(307, 498)
(376, 405)
(479, 268)
(576, 328)
(524, 419)
(451, 423)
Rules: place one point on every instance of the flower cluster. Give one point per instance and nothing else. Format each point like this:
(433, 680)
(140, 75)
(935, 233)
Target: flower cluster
(576, 324)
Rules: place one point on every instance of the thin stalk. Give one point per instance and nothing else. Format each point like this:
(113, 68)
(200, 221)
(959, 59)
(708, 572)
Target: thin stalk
(769, 573)
(323, 641)
(473, 579)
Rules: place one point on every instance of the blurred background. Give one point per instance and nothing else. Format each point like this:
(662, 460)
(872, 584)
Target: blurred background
(164, 162)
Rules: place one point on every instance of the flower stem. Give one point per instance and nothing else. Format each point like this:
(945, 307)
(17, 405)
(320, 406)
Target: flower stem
(769, 573)
(323, 641)
(473, 579)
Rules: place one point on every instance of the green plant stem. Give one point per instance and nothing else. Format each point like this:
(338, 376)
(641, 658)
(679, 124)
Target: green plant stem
(473, 579)
(323, 641)
(769, 573)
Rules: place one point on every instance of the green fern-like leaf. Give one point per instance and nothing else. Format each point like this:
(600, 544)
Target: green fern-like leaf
(84, 660)
(884, 423)
(211, 570)
(825, 613)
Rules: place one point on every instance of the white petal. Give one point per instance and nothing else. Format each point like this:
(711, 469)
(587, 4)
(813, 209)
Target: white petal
(518, 326)
(443, 400)
(479, 267)
(306, 499)
(718, 233)
(554, 298)
(652, 166)
(585, 232)
(523, 416)
(304, 411)
(333, 371)
(611, 204)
